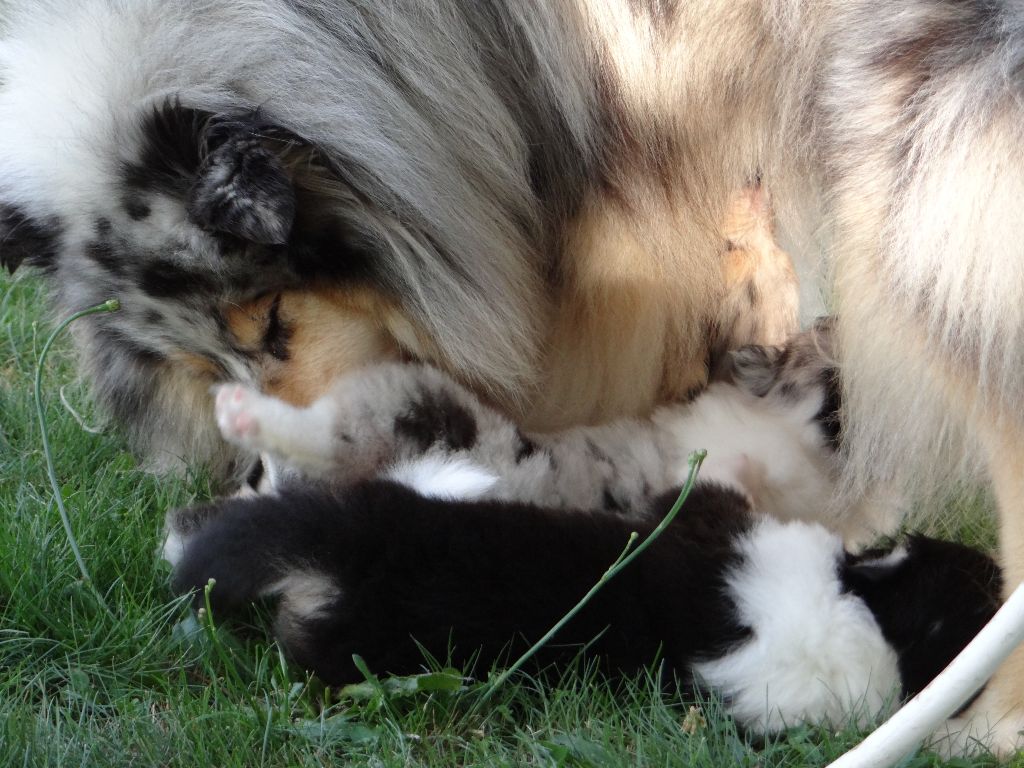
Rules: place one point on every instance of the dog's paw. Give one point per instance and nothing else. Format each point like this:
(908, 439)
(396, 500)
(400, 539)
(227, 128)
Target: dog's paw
(237, 409)
(1006, 737)
(987, 727)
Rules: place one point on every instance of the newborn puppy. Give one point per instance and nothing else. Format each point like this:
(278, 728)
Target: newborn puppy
(773, 616)
(777, 415)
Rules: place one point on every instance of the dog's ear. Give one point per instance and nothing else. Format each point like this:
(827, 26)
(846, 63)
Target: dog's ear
(242, 188)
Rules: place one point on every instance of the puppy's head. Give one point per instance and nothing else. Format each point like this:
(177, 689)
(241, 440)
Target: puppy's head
(930, 599)
(801, 375)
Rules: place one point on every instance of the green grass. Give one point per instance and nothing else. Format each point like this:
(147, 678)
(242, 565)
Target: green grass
(144, 686)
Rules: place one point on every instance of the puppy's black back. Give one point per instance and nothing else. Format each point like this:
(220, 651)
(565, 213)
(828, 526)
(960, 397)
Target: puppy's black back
(383, 571)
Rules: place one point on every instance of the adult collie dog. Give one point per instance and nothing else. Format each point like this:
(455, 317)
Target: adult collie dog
(532, 195)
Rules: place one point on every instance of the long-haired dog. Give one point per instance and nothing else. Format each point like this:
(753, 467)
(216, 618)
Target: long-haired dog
(531, 194)
(450, 233)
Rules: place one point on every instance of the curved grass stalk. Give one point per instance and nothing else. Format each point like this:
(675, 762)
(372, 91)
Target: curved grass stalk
(111, 305)
(621, 562)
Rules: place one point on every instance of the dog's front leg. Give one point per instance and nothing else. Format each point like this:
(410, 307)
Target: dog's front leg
(997, 717)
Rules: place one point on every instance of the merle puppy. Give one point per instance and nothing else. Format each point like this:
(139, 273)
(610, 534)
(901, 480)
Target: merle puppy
(774, 421)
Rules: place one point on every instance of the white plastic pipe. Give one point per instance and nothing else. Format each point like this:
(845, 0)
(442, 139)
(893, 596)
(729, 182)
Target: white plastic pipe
(921, 716)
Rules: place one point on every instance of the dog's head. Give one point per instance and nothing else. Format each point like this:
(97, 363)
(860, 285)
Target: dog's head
(128, 171)
(299, 342)
(191, 220)
(166, 153)
(177, 211)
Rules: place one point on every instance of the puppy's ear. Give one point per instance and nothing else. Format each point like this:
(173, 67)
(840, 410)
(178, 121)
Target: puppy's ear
(872, 568)
(242, 188)
(25, 239)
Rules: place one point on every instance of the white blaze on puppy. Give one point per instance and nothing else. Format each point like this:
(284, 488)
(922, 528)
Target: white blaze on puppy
(815, 651)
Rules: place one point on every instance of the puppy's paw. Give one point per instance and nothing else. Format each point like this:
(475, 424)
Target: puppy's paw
(266, 425)
(238, 411)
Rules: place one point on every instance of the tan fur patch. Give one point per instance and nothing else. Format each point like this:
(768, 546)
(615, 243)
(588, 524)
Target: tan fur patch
(637, 319)
(200, 366)
(641, 312)
(247, 322)
(624, 334)
(330, 332)
(762, 294)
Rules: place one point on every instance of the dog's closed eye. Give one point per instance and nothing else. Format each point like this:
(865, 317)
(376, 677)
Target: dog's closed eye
(276, 334)
(257, 327)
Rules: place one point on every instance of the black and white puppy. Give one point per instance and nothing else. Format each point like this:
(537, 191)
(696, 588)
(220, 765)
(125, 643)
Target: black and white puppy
(773, 616)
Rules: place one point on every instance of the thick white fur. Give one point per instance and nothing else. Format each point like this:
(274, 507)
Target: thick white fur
(814, 652)
(799, 471)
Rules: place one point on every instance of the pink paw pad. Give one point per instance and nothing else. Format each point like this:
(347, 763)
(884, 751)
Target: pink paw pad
(246, 425)
(234, 408)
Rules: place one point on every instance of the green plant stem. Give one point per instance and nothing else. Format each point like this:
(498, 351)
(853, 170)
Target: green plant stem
(111, 305)
(621, 562)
